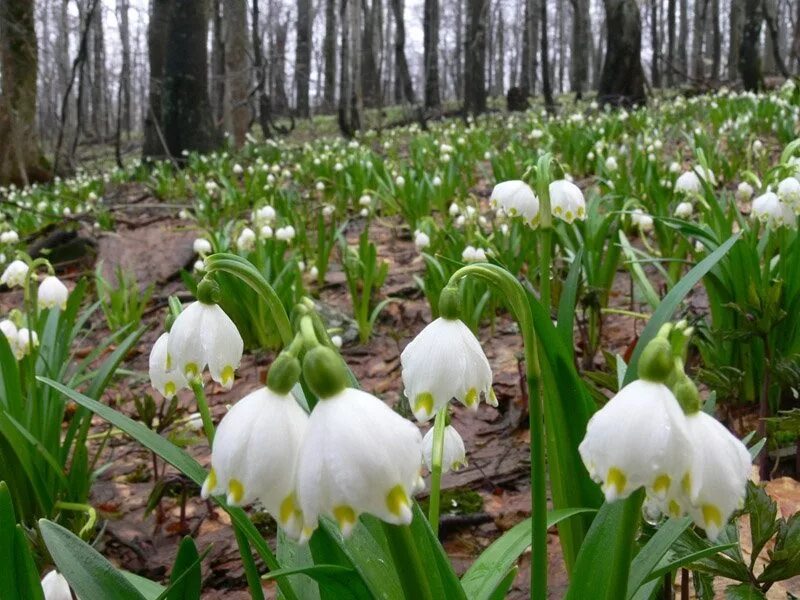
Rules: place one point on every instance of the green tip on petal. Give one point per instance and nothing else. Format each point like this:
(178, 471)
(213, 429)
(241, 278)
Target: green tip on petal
(398, 503)
(471, 399)
(424, 402)
(235, 492)
(169, 389)
(346, 518)
(227, 375)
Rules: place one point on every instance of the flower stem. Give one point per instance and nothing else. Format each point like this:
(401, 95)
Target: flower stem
(436, 468)
(202, 408)
(545, 267)
(413, 577)
(76, 507)
(250, 570)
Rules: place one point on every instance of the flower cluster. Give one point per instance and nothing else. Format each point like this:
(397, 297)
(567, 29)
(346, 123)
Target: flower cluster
(654, 436)
(517, 198)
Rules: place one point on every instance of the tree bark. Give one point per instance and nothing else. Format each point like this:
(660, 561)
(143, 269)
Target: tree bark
(622, 79)
(655, 70)
(20, 159)
(671, 43)
(500, 70)
(716, 41)
(280, 101)
(581, 44)
(431, 54)
(237, 71)
(530, 46)
(475, 58)
(403, 90)
(302, 61)
(735, 23)
(264, 108)
(329, 50)
(370, 75)
(351, 105)
(683, 39)
(218, 61)
(125, 72)
(773, 46)
(99, 80)
(547, 90)
(698, 66)
(749, 51)
(157, 33)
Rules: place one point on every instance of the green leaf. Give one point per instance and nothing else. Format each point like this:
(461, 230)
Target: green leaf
(8, 523)
(88, 573)
(653, 551)
(785, 557)
(569, 295)
(336, 579)
(501, 591)
(185, 581)
(26, 572)
(637, 272)
(763, 513)
(491, 568)
(149, 589)
(685, 560)
(743, 591)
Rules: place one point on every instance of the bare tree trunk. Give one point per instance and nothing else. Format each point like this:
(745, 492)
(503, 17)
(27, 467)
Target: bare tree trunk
(475, 58)
(622, 80)
(157, 32)
(459, 51)
(683, 39)
(302, 63)
(403, 90)
(547, 90)
(125, 72)
(99, 80)
(329, 50)
(671, 43)
(370, 77)
(500, 71)
(264, 108)
(735, 37)
(581, 45)
(698, 66)
(431, 54)
(561, 46)
(351, 104)
(280, 102)
(20, 158)
(237, 70)
(530, 42)
(716, 51)
(218, 61)
(655, 71)
(749, 52)
(773, 46)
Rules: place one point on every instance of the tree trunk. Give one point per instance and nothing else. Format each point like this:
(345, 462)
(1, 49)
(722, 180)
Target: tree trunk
(403, 90)
(351, 103)
(773, 46)
(329, 50)
(99, 80)
(655, 70)
(125, 72)
(698, 66)
(157, 33)
(547, 90)
(186, 110)
(20, 159)
(581, 44)
(530, 43)
(458, 80)
(370, 76)
(264, 108)
(671, 43)
(475, 57)
(302, 63)
(735, 37)
(431, 54)
(218, 61)
(280, 102)
(500, 70)
(237, 70)
(749, 51)
(683, 39)
(622, 79)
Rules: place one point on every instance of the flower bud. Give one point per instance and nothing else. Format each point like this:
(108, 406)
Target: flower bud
(656, 363)
(324, 372)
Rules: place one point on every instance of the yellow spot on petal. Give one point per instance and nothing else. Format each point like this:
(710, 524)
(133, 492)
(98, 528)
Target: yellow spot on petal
(235, 491)
(191, 370)
(711, 516)
(569, 216)
(686, 483)
(661, 484)
(581, 212)
(345, 516)
(397, 500)
(169, 389)
(617, 479)
(210, 484)
(168, 366)
(424, 401)
(674, 509)
(492, 397)
(227, 375)
(471, 398)
(288, 509)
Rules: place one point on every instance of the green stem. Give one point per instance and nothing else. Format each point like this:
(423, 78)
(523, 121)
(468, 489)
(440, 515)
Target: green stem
(545, 267)
(85, 508)
(410, 569)
(202, 408)
(250, 570)
(436, 468)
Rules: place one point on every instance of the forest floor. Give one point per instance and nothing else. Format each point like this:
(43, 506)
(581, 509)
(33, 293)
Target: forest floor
(481, 501)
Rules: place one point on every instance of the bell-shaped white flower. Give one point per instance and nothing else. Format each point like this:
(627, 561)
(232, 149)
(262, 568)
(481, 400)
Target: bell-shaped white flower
(9, 330)
(55, 587)
(52, 292)
(421, 240)
(445, 361)
(285, 234)
(246, 240)
(201, 246)
(718, 475)
(611, 164)
(638, 439)
(767, 209)
(163, 375)
(358, 456)
(254, 456)
(517, 199)
(567, 201)
(204, 335)
(454, 454)
(641, 219)
(9, 237)
(264, 215)
(744, 191)
(14, 274)
(688, 183)
(684, 210)
(789, 192)
(26, 340)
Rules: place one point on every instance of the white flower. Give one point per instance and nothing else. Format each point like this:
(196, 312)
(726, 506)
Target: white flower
(567, 201)
(437, 181)
(688, 183)
(453, 209)
(52, 292)
(246, 240)
(26, 340)
(767, 209)
(320, 186)
(421, 240)
(254, 456)
(163, 375)
(638, 439)
(313, 272)
(400, 181)
(195, 421)
(472, 254)
(9, 330)
(445, 361)
(789, 192)
(365, 201)
(15, 274)
(719, 472)
(611, 164)
(744, 192)
(684, 210)
(336, 340)
(199, 266)
(264, 215)
(202, 246)
(641, 219)
(327, 210)
(9, 237)
(674, 168)
(517, 199)
(55, 587)
(204, 335)
(285, 234)
(359, 456)
(237, 169)
(454, 454)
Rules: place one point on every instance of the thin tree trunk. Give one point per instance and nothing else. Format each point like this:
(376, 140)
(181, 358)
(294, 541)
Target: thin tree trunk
(370, 77)
(264, 116)
(329, 50)
(671, 43)
(237, 70)
(475, 58)
(683, 38)
(404, 91)
(736, 23)
(773, 40)
(749, 52)
(302, 70)
(698, 66)
(547, 90)
(581, 46)
(125, 72)
(431, 54)
(157, 32)
(500, 71)
(655, 71)
(622, 80)
(99, 83)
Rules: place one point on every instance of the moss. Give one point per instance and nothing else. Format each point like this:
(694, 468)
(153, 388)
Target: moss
(265, 524)
(458, 501)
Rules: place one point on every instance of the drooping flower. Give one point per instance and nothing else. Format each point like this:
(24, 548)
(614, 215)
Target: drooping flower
(254, 456)
(789, 192)
(285, 234)
(26, 340)
(9, 330)
(684, 210)
(638, 439)
(517, 199)
(204, 335)
(454, 454)
(641, 219)
(567, 201)
(15, 274)
(246, 240)
(359, 456)
(445, 361)
(421, 240)
(55, 587)
(201, 246)
(52, 292)
(688, 183)
(9, 237)
(719, 471)
(768, 209)
(263, 216)
(164, 376)
(744, 191)
(471, 254)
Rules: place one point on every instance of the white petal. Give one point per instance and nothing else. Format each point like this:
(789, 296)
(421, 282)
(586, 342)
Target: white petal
(222, 343)
(454, 454)
(517, 199)
(185, 347)
(55, 587)
(167, 381)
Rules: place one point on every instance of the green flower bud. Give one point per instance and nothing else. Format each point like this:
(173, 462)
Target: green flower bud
(324, 372)
(283, 374)
(449, 304)
(656, 362)
(168, 322)
(208, 291)
(687, 394)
